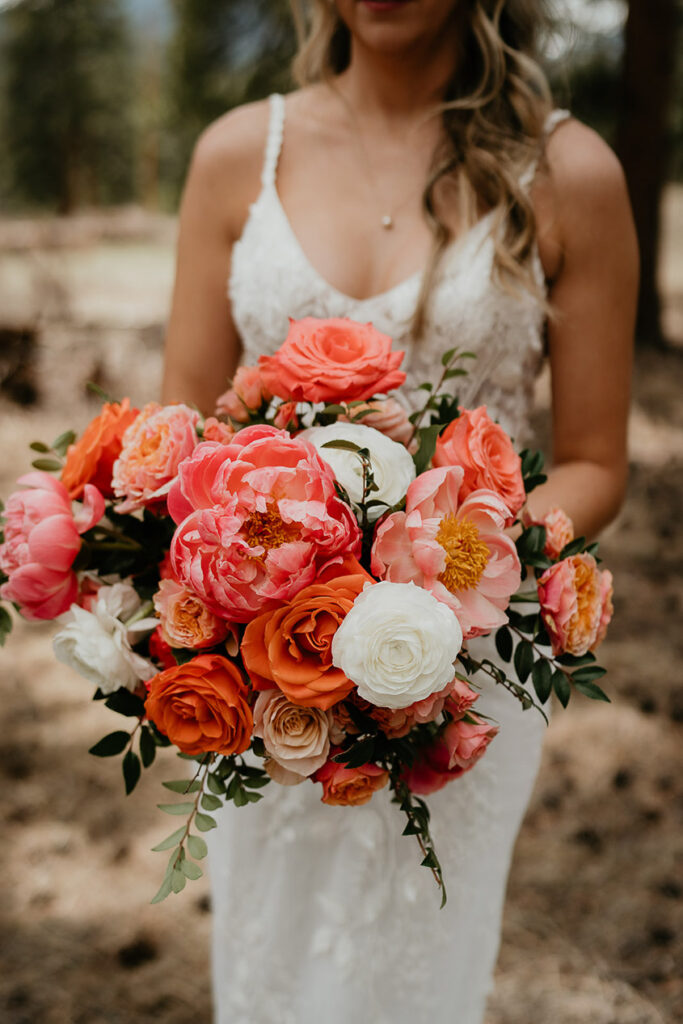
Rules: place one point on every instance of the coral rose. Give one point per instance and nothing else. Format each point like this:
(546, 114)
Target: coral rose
(334, 360)
(286, 416)
(185, 621)
(349, 787)
(215, 430)
(258, 520)
(575, 599)
(291, 647)
(42, 539)
(246, 396)
(202, 706)
(456, 549)
(154, 445)
(484, 451)
(461, 744)
(90, 460)
(296, 738)
(559, 529)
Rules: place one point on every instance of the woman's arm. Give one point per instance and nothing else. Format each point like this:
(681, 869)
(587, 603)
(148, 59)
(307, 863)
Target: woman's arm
(590, 239)
(202, 346)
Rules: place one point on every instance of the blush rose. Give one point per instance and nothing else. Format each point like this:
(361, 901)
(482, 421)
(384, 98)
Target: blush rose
(297, 738)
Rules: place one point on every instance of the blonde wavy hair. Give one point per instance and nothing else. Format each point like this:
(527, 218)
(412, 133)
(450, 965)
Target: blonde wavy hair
(493, 115)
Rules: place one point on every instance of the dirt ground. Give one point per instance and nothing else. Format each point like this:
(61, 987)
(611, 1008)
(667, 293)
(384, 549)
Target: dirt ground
(594, 924)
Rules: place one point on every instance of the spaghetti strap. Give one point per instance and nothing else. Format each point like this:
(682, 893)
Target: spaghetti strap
(274, 140)
(552, 121)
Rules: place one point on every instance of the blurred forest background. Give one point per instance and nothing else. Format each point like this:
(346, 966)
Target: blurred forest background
(100, 104)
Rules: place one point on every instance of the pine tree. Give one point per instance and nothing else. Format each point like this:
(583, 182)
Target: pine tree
(68, 90)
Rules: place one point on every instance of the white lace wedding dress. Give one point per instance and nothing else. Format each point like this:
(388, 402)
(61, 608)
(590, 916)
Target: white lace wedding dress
(323, 915)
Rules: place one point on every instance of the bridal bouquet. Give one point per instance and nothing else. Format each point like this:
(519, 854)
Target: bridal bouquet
(296, 579)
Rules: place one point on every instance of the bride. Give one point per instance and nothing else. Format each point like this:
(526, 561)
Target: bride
(419, 179)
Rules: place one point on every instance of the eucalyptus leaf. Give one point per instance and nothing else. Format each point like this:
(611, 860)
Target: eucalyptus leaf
(182, 785)
(178, 880)
(164, 890)
(184, 808)
(211, 803)
(191, 870)
(204, 822)
(38, 446)
(215, 784)
(61, 443)
(197, 847)
(170, 841)
(47, 465)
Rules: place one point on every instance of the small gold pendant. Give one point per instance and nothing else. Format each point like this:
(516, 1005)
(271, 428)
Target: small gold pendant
(387, 222)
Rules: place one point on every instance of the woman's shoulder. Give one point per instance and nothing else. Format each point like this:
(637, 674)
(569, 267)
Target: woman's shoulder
(580, 161)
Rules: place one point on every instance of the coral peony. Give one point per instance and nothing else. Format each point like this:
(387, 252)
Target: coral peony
(42, 539)
(202, 706)
(154, 445)
(90, 460)
(246, 396)
(456, 549)
(185, 621)
(334, 360)
(296, 738)
(291, 646)
(258, 519)
(349, 787)
(484, 451)
(576, 605)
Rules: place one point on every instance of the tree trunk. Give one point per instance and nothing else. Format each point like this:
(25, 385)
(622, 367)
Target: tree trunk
(643, 139)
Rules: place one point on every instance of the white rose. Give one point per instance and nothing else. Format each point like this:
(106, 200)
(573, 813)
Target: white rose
(397, 644)
(97, 644)
(392, 464)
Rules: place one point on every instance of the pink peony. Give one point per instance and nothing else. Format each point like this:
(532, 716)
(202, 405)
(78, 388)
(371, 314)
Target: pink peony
(42, 539)
(215, 430)
(386, 415)
(247, 394)
(456, 549)
(258, 519)
(154, 445)
(485, 453)
(576, 605)
(559, 529)
(334, 360)
(461, 744)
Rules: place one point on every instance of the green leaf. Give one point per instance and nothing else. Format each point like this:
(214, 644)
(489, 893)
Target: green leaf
(182, 655)
(211, 803)
(591, 690)
(421, 387)
(197, 847)
(215, 784)
(430, 861)
(531, 482)
(47, 465)
(344, 446)
(61, 443)
(411, 829)
(504, 643)
(111, 745)
(561, 687)
(240, 798)
(358, 754)
(575, 660)
(178, 880)
(148, 747)
(423, 456)
(542, 678)
(170, 841)
(97, 390)
(183, 786)
(164, 891)
(253, 798)
(5, 625)
(191, 870)
(204, 822)
(588, 674)
(126, 703)
(333, 410)
(184, 808)
(523, 660)
(256, 782)
(38, 446)
(455, 372)
(447, 356)
(574, 547)
(131, 770)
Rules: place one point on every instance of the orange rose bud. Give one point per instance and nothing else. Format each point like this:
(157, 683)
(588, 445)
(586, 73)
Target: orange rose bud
(91, 459)
(349, 787)
(202, 706)
(291, 646)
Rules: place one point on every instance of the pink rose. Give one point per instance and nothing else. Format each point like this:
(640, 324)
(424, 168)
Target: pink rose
(154, 445)
(334, 360)
(461, 744)
(214, 430)
(456, 549)
(185, 621)
(258, 519)
(575, 599)
(485, 453)
(386, 415)
(42, 539)
(297, 738)
(286, 417)
(559, 529)
(461, 699)
(246, 396)
(399, 721)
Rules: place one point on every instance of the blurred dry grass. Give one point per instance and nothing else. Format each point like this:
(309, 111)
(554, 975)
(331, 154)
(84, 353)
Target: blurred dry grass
(594, 926)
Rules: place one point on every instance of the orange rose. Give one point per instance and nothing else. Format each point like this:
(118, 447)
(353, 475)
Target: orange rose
(91, 459)
(202, 706)
(350, 787)
(291, 646)
(335, 360)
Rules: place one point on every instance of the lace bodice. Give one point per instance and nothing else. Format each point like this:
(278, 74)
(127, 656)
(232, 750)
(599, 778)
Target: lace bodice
(272, 279)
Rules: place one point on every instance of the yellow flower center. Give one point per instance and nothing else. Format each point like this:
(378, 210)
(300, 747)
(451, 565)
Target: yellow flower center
(466, 554)
(268, 530)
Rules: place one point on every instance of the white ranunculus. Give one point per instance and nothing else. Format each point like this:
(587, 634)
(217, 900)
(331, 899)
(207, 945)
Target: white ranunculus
(97, 643)
(397, 644)
(392, 463)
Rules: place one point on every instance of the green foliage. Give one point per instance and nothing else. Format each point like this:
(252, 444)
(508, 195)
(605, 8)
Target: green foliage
(5, 625)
